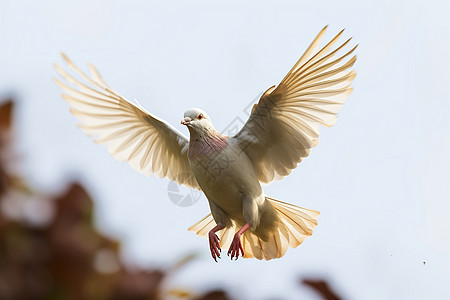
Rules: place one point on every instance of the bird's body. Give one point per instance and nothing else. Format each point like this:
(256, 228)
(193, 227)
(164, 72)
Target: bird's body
(226, 176)
(218, 171)
(280, 132)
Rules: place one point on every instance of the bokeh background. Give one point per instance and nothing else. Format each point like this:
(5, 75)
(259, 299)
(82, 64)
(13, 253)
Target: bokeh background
(76, 224)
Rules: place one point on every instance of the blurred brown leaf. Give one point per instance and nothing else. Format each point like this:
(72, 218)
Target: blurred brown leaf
(321, 287)
(6, 109)
(215, 295)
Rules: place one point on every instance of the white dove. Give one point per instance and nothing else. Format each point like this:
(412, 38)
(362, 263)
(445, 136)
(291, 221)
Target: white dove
(279, 134)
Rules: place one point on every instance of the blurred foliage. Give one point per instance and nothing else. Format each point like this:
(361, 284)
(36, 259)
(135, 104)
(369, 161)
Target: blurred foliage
(322, 288)
(49, 248)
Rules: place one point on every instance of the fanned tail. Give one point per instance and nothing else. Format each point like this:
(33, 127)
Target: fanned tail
(294, 226)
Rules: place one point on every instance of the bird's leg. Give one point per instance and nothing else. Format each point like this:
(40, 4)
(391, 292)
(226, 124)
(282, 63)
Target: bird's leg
(236, 245)
(214, 242)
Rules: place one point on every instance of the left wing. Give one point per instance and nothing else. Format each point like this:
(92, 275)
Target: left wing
(131, 134)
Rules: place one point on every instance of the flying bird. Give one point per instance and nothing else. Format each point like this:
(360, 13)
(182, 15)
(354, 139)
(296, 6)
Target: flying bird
(281, 131)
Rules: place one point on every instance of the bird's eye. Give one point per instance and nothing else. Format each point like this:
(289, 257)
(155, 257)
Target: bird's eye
(200, 116)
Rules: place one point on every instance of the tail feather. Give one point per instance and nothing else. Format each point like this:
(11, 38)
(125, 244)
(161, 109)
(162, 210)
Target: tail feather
(226, 236)
(202, 227)
(298, 221)
(294, 226)
(295, 220)
(284, 238)
(251, 246)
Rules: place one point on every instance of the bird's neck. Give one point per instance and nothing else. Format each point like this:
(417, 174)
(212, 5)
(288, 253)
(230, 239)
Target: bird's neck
(206, 143)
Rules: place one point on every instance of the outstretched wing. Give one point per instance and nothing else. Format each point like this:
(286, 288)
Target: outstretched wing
(284, 125)
(132, 134)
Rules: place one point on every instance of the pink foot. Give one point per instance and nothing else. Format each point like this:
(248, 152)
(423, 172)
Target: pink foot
(236, 247)
(214, 245)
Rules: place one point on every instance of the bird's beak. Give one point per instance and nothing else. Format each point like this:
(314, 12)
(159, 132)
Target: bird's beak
(186, 121)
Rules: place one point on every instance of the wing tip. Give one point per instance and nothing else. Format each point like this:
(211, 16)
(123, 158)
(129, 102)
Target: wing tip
(93, 69)
(58, 68)
(66, 58)
(71, 109)
(340, 32)
(66, 97)
(56, 80)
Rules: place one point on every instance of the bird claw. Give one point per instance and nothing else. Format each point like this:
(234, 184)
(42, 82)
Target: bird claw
(214, 246)
(235, 248)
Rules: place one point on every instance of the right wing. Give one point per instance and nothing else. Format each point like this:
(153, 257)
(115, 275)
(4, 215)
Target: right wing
(284, 125)
(149, 144)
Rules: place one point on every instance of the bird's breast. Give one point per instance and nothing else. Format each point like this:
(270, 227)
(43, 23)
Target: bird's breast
(225, 174)
(210, 158)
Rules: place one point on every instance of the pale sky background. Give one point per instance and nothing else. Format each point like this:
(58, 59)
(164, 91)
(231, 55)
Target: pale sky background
(380, 176)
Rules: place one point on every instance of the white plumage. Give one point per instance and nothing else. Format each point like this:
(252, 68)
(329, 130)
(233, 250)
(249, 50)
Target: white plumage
(279, 134)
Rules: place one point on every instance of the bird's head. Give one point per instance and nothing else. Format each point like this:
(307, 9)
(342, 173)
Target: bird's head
(197, 121)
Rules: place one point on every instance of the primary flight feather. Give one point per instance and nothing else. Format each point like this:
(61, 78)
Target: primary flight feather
(279, 134)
